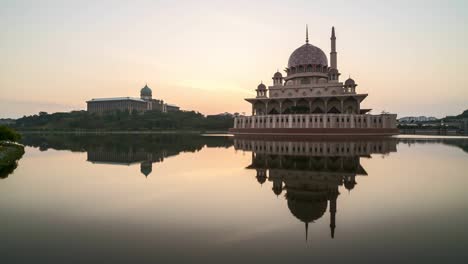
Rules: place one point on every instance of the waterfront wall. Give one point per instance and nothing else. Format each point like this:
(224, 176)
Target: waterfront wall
(316, 121)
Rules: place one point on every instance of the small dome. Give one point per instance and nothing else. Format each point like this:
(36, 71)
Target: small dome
(350, 82)
(277, 190)
(146, 168)
(278, 75)
(349, 185)
(261, 87)
(307, 54)
(146, 91)
(261, 179)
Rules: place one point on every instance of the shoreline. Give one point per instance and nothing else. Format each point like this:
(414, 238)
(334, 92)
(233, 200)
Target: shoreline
(122, 132)
(10, 153)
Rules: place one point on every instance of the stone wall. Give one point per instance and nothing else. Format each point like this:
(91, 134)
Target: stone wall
(316, 121)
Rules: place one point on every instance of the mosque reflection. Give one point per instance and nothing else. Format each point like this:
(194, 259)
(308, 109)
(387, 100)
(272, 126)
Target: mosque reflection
(309, 173)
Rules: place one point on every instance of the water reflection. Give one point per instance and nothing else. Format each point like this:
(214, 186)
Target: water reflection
(310, 172)
(121, 149)
(205, 203)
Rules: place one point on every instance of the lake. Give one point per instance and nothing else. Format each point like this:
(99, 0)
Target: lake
(217, 199)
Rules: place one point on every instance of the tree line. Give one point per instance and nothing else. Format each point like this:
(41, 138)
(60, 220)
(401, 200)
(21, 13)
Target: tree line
(124, 120)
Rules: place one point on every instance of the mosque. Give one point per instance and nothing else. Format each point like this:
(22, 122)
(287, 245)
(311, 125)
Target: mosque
(310, 173)
(311, 100)
(144, 103)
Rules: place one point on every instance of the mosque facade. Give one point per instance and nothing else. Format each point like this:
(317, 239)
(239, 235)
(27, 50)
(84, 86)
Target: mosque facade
(142, 104)
(311, 99)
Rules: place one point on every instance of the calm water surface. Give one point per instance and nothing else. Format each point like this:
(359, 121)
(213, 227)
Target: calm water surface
(191, 198)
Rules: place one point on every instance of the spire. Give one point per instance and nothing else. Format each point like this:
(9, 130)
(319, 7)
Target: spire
(333, 216)
(333, 56)
(307, 230)
(307, 34)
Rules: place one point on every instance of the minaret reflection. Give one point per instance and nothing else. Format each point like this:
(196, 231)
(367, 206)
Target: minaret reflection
(311, 172)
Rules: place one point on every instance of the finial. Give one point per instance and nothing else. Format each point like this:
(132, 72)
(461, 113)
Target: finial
(307, 34)
(333, 32)
(307, 229)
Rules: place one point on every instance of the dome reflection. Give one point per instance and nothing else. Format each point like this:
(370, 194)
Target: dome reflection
(309, 172)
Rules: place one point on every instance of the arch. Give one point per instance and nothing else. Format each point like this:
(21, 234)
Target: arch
(350, 105)
(334, 106)
(318, 106)
(334, 110)
(287, 105)
(273, 107)
(302, 107)
(309, 68)
(259, 108)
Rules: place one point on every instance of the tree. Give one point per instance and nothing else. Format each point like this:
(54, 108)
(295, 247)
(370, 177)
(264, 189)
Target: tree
(8, 134)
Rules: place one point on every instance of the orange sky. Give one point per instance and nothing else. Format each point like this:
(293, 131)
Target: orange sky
(209, 55)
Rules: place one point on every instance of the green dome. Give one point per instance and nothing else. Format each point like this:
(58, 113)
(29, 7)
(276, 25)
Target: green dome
(146, 91)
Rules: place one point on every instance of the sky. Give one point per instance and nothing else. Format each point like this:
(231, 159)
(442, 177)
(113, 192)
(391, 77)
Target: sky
(410, 56)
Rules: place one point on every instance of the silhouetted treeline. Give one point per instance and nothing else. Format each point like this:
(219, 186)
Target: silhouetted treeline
(124, 120)
(460, 116)
(170, 143)
(8, 134)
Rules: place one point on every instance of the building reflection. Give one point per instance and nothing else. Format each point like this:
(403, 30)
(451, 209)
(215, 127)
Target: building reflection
(126, 149)
(310, 173)
(129, 156)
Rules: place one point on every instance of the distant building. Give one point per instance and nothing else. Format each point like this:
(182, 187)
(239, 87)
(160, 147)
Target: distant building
(144, 103)
(172, 108)
(225, 114)
(413, 119)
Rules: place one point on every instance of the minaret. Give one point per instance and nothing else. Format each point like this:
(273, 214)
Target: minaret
(333, 215)
(333, 63)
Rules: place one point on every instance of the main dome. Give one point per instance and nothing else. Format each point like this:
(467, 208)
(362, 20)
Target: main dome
(307, 54)
(146, 91)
